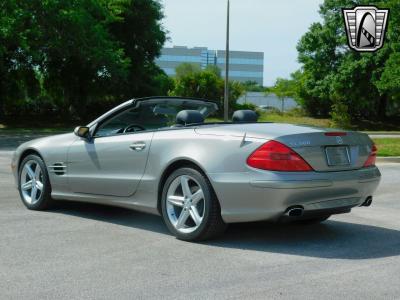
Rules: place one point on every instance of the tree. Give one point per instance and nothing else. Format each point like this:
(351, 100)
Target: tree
(214, 69)
(389, 83)
(334, 76)
(83, 59)
(253, 86)
(390, 80)
(283, 88)
(137, 28)
(78, 54)
(17, 75)
(186, 69)
(207, 85)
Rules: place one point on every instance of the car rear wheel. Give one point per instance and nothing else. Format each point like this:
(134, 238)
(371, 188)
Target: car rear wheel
(190, 207)
(33, 184)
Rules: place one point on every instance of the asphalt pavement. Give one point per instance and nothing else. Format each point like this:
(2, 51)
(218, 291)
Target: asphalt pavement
(86, 251)
(10, 141)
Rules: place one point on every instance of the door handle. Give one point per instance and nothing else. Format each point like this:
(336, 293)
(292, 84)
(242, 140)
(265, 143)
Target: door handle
(138, 146)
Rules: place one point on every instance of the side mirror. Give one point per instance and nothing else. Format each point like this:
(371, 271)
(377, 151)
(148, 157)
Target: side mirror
(82, 131)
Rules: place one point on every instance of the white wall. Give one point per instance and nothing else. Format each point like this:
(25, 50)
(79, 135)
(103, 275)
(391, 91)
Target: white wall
(259, 98)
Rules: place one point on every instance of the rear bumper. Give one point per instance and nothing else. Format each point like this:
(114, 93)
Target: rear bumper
(261, 195)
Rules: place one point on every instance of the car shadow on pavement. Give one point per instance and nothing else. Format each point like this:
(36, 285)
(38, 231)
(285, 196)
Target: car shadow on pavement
(111, 214)
(331, 239)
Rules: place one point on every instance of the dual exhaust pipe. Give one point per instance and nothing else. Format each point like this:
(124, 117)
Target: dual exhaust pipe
(367, 202)
(298, 211)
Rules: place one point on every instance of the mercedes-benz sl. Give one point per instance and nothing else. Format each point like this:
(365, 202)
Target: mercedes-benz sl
(160, 155)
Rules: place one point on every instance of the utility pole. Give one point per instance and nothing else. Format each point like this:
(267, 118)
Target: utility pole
(226, 98)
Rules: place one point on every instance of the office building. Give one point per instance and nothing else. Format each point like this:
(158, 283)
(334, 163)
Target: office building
(243, 65)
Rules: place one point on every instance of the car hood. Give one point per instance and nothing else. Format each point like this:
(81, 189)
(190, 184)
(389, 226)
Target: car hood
(59, 139)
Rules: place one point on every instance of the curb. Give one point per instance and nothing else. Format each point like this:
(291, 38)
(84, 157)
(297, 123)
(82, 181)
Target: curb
(381, 132)
(386, 136)
(390, 159)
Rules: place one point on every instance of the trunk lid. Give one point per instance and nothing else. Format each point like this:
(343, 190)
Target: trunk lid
(323, 153)
(330, 153)
(256, 130)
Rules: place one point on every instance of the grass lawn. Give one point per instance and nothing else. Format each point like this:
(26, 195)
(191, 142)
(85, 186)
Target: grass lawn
(383, 132)
(388, 146)
(278, 118)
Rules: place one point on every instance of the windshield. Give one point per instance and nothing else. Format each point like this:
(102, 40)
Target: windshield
(151, 114)
(170, 107)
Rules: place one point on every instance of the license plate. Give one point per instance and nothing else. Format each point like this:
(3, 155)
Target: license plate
(337, 156)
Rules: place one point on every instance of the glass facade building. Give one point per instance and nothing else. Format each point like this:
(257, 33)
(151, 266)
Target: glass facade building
(243, 65)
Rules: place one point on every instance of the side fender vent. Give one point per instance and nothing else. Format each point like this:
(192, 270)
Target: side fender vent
(58, 168)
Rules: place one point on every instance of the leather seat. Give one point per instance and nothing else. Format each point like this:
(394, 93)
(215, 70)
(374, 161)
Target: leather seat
(187, 117)
(244, 116)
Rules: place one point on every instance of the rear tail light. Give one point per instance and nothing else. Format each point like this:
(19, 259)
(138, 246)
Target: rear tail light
(372, 157)
(335, 133)
(274, 156)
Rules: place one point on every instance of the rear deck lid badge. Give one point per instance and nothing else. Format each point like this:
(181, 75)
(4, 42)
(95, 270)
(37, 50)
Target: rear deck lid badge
(339, 140)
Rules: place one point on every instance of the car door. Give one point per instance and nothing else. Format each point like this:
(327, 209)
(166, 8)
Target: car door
(112, 161)
(111, 165)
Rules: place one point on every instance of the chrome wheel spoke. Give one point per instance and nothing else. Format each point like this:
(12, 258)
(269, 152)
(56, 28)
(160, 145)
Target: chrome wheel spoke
(197, 197)
(39, 185)
(38, 172)
(185, 186)
(34, 193)
(182, 219)
(194, 214)
(27, 185)
(29, 171)
(176, 200)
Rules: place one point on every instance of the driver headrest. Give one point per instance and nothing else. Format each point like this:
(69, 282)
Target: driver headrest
(244, 116)
(185, 117)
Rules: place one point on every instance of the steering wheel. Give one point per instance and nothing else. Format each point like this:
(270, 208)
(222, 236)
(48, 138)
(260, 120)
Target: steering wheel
(131, 128)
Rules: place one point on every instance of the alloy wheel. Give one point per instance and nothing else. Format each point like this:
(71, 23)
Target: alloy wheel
(185, 204)
(31, 182)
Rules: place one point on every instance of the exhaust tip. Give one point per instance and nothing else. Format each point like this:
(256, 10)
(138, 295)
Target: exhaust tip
(367, 201)
(294, 212)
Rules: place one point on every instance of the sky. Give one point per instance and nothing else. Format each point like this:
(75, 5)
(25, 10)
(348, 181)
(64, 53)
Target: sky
(270, 26)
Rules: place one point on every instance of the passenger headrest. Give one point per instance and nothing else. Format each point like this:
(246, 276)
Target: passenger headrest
(185, 117)
(244, 116)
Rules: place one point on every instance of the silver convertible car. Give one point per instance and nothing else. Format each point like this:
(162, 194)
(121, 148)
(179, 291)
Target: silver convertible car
(158, 155)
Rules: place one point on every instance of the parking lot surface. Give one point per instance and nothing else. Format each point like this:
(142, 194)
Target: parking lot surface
(86, 251)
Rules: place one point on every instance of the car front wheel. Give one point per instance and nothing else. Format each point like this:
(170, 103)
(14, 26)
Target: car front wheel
(33, 184)
(190, 207)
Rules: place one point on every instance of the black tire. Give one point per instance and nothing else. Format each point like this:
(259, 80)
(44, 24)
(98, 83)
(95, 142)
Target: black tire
(314, 221)
(212, 224)
(44, 201)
